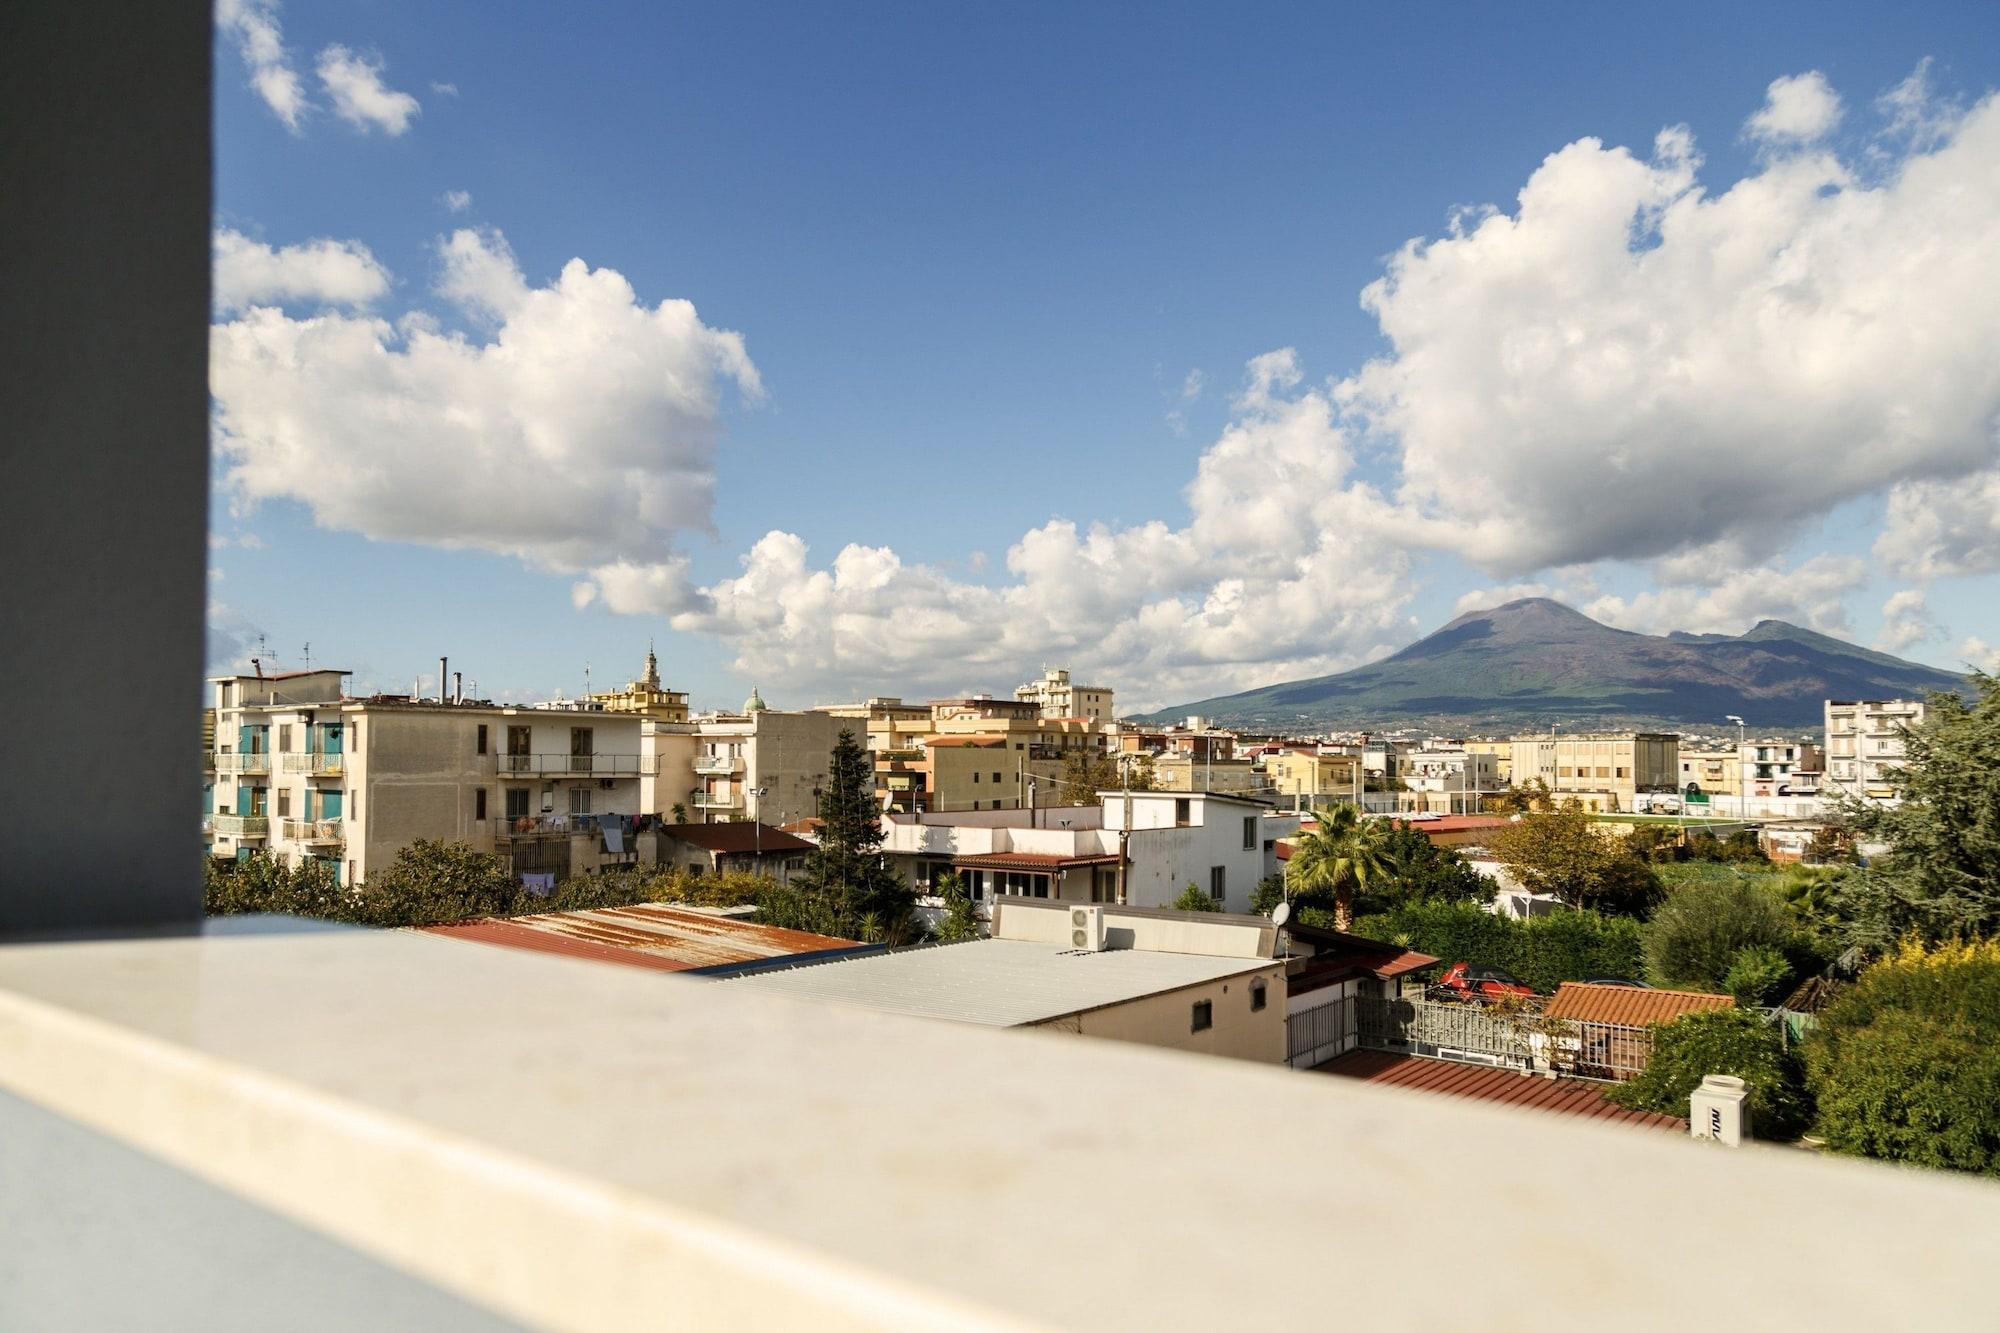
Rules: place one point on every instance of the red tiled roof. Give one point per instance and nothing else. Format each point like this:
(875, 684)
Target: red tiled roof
(1507, 1087)
(1633, 1006)
(736, 836)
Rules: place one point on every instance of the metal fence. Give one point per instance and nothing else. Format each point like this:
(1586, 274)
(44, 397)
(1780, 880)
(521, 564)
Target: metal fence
(1516, 1039)
(1328, 1027)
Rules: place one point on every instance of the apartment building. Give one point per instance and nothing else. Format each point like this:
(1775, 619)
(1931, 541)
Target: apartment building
(1606, 771)
(1716, 772)
(1055, 696)
(891, 725)
(758, 763)
(1865, 743)
(646, 696)
(1313, 777)
(1503, 756)
(1180, 772)
(1449, 781)
(304, 773)
(1223, 844)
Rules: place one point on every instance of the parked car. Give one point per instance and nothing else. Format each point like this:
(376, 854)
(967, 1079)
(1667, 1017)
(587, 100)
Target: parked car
(1467, 984)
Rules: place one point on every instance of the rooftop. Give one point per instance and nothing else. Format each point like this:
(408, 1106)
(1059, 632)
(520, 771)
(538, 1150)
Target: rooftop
(998, 983)
(1633, 1006)
(1509, 1087)
(743, 835)
(654, 935)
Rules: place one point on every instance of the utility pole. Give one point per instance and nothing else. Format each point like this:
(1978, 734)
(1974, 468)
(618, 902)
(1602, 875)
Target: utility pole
(1742, 784)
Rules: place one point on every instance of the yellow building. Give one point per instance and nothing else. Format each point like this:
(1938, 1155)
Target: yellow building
(1608, 772)
(645, 697)
(1302, 773)
(1503, 756)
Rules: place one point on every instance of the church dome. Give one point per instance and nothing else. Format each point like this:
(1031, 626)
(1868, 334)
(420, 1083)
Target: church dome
(755, 703)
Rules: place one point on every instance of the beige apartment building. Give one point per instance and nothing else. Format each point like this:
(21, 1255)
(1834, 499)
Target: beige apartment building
(1055, 696)
(1608, 771)
(1502, 752)
(1865, 744)
(757, 764)
(891, 724)
(1313, 777)
(1179, 772)
(1768, 767)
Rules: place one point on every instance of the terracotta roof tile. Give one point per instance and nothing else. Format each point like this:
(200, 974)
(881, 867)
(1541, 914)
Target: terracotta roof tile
(1632, 1006)
(1507, 1087)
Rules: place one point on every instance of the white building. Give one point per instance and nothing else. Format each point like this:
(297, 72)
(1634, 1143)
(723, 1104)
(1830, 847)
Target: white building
(1055, 696)
(1222, 844)
(1865, 742)
(758, 764)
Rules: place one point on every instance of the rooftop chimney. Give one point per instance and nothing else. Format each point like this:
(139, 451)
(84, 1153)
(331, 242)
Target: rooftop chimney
(443, 663)
(458, 687)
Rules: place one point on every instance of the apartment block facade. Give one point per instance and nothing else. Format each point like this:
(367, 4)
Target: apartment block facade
(1865, 743)
(1608, 772)
(1054, 695)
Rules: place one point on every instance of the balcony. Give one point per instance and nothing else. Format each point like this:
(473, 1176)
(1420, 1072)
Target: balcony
(709, 800)
(229, 761)
(718, 765)
(240, 826)
(572, 765)
(536, 826)
(316, 764)
(434, 1152)
(313, 832)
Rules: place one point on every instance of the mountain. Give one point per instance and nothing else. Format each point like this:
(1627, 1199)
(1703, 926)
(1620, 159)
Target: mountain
(1536, 661)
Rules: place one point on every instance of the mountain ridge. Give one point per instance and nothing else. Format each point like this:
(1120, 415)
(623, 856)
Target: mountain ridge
(1537, 660)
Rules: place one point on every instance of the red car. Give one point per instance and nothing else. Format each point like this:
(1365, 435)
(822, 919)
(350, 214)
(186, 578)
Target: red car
(1476, 985)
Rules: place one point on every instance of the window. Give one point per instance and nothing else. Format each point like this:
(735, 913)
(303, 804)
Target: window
(1183, 810)
(1257, 995)
(482, 738)
(1218, 881)
(479, 800)
(996, 777)
(517, 802)
(579, 800)
(284, 738)
(1249, 833)
(1203, 1017)
(975, 778)
(284, 802)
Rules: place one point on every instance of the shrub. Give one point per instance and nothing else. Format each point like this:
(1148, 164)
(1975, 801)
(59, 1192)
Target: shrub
(1722, 1041)
(1756, 974)
(1542, 951)
(1194, 898)
(1695, 935)
(1906, 1063)
(1568, 854)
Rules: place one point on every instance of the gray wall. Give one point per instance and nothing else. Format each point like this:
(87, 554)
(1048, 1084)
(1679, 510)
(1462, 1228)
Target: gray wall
(104, 148)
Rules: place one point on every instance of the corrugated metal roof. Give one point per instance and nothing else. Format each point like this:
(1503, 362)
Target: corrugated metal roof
(655, 935)
(1508, 1087)
(1000, 983)
(1032, 861)
(1633, 1006)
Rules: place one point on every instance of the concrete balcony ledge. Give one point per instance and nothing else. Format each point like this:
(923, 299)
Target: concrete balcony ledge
(575, 1145)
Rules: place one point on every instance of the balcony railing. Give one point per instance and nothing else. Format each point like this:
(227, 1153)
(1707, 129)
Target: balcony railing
(712, 801)
(229, 761)
(317, 764)
(572, 765)
(540, 826)
(719, 764)
(241, 826)
(313, 832)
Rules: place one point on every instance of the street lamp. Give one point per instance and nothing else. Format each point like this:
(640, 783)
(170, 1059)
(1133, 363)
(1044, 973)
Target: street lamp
(1742, 785)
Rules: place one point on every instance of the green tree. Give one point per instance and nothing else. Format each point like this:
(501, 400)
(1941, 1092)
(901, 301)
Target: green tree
(679, 811)
(1543, 951)
(1338, 859)
(1194, 898)
(961, 921)
(1722, 1041)
(1656, 844)
(845, 874)
(1270, 891)
(1418, 870)
(1757, 974)
(1941, 876)
(1905, 1064)
(1141, 776)
(1086, 773)
(1694, 937)
(1526, 798)
(1563, 852)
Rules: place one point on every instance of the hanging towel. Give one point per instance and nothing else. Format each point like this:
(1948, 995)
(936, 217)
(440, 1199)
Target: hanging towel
(539, 885)
(614, 838)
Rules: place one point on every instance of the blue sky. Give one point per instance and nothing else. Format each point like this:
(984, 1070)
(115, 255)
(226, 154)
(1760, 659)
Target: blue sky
(999, 267)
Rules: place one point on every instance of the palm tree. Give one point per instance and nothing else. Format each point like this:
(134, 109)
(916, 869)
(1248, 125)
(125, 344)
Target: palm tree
(1340, 857)
(680, 813)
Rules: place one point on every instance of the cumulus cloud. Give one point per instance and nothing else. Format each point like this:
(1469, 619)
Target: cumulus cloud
(1627, 366)
(1984, 655)
(354, 82)
(456, 200)
(1906, 622)
(578, 436)
(1813, 595)
(1281, 570)
(1798, 109)
(252, 25)
(1940, 530)
(320, 272)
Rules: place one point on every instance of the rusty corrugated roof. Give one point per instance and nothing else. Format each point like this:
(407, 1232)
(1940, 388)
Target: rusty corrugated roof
(1632, 1006)
(655, 935)
(1507, 1087)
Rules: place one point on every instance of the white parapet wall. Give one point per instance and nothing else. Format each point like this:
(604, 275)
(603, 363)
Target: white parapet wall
(576, 1145)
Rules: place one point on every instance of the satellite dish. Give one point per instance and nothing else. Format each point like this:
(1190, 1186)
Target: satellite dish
(1281, 914)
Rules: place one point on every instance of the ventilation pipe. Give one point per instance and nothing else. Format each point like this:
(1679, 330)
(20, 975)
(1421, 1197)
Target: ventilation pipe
(443, 663)
(458, 687)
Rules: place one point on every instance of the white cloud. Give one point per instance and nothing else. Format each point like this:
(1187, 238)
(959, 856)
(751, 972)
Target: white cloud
(1798, 109)
(1628, 367)
(1281, 571)
(1906, 622)
(1485, 599)
(253, 26)
(1813, 595)
(580, 436)
(319, 272)
(354, 82)
(1940, 530)
(456, 200)
(445, 89)
(1984, 655)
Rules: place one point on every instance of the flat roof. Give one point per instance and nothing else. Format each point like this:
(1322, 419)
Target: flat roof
(999, 983)
(654, 935)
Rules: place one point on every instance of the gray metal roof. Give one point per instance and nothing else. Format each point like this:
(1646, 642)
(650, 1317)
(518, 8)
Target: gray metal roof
(1000, 983)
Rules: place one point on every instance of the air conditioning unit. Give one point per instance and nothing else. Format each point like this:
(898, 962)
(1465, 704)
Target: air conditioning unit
(1086, 928)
